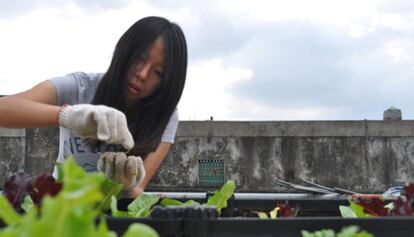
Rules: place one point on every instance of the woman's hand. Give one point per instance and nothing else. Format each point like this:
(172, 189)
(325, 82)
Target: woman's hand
(133, 193)
(117, 167)
(97, 121)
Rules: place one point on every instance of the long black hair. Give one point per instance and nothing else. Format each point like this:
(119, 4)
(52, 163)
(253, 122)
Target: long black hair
(149, 116)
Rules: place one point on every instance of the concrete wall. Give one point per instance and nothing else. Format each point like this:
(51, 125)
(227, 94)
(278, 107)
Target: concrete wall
(366, 156)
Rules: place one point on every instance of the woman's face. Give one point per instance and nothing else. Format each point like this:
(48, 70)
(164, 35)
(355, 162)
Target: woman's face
(146, 73)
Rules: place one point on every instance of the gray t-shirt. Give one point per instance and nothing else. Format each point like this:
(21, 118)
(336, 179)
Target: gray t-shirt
(80, 88)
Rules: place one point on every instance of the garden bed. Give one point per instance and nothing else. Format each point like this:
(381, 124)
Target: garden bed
(239, 218)
(86, 204)
(286, 227)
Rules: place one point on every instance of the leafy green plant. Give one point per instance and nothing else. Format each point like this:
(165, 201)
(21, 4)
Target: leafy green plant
(141, 230)
(218, 199)
(21, 188)
(272, 214)
(362, 206)
(173, 202)
(349, 231)
(109, 189)
(70, 213)
(25, 192)
(140, 207)
(353, 210)
(282, 209)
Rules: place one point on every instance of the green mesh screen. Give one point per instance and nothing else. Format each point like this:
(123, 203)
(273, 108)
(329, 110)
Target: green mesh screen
(210, 173)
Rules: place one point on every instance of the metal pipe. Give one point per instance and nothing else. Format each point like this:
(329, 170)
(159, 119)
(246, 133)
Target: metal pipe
(266, 196)
(256, 196)
(262, 196)
(288, 196)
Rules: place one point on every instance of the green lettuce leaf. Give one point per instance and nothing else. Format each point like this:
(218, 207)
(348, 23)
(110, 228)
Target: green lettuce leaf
(262, 215)
(319, 233)
(28, 204)
(349, 231)
(109, 189)
(72, 213)
(141, 206)
(191, 203)
(220, 197)
(347, 211)
(7, 213)
(171, 202)
(114, 209)
(141, 230)
(359, 210)
(103, 229)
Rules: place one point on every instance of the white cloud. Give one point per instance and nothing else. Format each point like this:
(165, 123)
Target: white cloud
(208, 90)
(322, 11)
(245, 109)
(398, 52)
(52, 42)
(318, 55)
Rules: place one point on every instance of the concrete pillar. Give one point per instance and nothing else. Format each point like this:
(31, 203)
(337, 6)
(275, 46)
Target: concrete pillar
(41, 150)
(12, 144)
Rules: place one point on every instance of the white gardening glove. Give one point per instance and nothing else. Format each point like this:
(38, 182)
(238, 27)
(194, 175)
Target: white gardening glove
(97, 121)
(117, 167)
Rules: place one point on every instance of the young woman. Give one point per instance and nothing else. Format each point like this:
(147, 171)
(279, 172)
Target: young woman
(118, 117)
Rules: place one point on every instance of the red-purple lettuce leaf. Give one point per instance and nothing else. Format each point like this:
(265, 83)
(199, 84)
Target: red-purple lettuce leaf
(16, 188)
(286, 211)
(402, 207)
(20, 185)
(373, 206)
(409, 192)
(44, 185)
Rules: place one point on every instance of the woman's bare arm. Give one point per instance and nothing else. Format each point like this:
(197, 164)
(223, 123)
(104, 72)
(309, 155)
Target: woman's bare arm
(32, 108)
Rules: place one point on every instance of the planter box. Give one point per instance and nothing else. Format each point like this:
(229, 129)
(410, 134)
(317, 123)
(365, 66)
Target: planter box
(284, 227)
(238, 219)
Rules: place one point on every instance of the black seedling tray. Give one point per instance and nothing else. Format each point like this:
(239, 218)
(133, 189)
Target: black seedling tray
(247, 208)
(284, 227)
(240, 219)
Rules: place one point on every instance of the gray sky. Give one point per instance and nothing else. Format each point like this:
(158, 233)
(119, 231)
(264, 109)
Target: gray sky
(248, 60)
